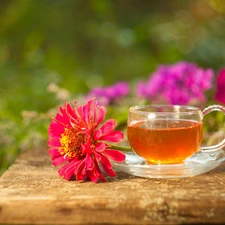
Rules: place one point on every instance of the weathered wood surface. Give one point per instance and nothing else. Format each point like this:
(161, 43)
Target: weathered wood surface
(31, 192)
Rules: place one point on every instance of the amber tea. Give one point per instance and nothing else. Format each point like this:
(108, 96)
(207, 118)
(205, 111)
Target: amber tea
(165, 141)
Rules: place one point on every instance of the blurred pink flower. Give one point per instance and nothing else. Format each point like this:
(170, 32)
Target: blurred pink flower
(79, 142)
(179, 83)
(109, 94)
(220, 87)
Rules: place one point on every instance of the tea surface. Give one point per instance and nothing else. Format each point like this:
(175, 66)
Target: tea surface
(165, 141)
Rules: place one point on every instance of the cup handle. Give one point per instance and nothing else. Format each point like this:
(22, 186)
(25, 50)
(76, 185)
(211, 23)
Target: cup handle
(205, 112)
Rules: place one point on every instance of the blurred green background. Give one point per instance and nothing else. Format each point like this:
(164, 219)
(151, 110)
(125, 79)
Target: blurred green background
(78, 44)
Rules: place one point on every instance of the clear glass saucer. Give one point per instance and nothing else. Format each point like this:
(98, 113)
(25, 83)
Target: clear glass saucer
(199, 163)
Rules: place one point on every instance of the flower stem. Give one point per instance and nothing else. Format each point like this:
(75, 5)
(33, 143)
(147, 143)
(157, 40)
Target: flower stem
(119, 147)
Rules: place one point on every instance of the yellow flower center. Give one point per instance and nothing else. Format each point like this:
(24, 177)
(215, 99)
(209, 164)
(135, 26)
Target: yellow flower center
(71, 141)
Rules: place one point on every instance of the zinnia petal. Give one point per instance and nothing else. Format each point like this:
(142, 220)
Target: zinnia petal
(97, 134)
(70, 111)
(101, 114)
(54, 152)
(108, 126)
(54, 142)
(89, 162)
(58, 160)
(98, 156)
(55, 129)
(106, 165)
(115, 155)
(67, 171)
(87, 111)
(63, 118)
(114, 136)
(100, 147)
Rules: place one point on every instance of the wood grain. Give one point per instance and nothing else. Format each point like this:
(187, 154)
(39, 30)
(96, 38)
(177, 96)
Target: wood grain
(31, 192)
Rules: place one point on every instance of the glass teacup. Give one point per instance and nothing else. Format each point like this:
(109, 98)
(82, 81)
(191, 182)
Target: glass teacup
(168, 134)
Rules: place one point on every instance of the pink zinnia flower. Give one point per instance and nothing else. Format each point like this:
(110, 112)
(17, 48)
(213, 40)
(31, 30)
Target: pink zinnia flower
(220, 87)
(79, 141)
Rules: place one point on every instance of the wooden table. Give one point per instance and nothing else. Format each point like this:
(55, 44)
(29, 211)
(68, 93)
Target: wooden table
(31, 192)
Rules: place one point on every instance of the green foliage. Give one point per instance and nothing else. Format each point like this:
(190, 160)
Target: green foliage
(81, 44)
